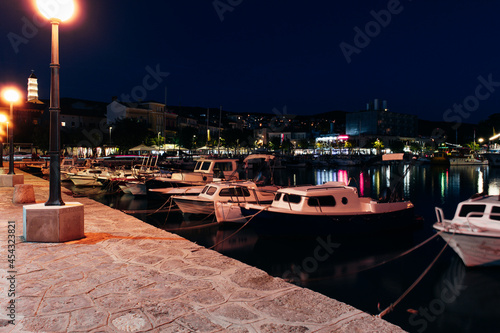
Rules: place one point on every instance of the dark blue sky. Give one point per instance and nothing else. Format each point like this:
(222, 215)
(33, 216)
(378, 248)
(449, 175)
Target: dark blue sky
(424, 58)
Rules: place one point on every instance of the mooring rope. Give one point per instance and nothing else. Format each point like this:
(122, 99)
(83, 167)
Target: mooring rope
(238, 230)
(393, 305)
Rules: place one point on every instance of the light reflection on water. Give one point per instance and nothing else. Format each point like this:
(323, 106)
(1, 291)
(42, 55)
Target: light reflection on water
(344, 274)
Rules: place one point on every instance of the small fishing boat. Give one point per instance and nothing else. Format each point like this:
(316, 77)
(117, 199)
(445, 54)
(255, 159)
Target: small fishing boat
(87, 177)
(467, 160)
(237, 192)
(474, 231)
(205, 171)
(332, 207)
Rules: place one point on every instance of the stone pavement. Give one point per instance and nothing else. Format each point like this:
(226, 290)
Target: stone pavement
(128, 276)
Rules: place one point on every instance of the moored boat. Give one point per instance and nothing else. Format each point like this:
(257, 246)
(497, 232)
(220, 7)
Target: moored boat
(332, 208)
(474, 231)
(205, 171)
(238, 192)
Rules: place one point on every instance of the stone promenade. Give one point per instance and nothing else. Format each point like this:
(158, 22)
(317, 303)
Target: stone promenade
(128, 276)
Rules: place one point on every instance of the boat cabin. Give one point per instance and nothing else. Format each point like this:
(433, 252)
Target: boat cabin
(210, 170)
(479, 209)
(331, 196)
(244, 191)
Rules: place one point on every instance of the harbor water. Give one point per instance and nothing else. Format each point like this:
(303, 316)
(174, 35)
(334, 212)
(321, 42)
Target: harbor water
(371, 271)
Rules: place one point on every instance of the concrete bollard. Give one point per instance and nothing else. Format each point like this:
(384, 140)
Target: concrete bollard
(23, 194)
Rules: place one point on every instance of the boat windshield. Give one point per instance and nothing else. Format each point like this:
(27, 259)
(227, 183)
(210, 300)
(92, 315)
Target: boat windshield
(234, 192)
(322, 201)
(211, 190)
(292, 198)
(495, 213)
(466, 209)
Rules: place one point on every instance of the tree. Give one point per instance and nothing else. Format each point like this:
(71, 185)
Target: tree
(274, 143)
(378, 145)
(129, 132)
(397, 146)
(187, 137)
(415, 147)
(473, 146)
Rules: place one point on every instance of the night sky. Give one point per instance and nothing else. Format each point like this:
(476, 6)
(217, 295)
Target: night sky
(255, 56)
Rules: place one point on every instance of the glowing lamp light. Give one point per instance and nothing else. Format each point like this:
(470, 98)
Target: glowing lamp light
(11, 95)
(343, 137)
(60, 10)
(3, 118)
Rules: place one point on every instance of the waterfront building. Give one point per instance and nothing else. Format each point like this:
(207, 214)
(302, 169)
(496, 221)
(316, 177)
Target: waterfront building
(378, 120)
(156, 115)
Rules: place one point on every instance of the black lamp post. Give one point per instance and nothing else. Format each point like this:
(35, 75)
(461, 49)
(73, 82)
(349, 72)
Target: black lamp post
(56, 13)
(3, 119)
(12, 96)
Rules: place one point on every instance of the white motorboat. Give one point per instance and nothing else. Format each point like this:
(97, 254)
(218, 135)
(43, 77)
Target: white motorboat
(87, 177)
(205, 171)
(467, 160)
(237, 192)
(474, 231)
(185, 190)
(134, 187)
(331, 207)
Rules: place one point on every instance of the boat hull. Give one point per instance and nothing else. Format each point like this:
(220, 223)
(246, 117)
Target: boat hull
(85, 181)
(294, 223)
(196, 207)
(474, 250)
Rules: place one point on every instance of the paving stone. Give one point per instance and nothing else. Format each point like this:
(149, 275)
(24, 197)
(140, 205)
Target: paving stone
(256, 279)
(53, 305)
(131, 321)
(235, 313)
(165, 312)
(118, 303)
(281, 328)
(198, 323)
(206, 297)
(87, 319)
(290, 307)
(54, 323)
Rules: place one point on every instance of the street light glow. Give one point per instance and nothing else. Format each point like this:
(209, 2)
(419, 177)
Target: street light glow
(11, 95)
(60, 10)
(3, 118)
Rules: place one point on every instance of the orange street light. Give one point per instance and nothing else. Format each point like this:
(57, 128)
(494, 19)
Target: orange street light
(56, 12)
(12, 96)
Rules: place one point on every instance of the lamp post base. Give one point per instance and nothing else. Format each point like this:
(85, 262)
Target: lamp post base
(11, 180)
(53, 224)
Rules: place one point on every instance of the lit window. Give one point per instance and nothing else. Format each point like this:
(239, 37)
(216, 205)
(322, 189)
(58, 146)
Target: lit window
(63, 123)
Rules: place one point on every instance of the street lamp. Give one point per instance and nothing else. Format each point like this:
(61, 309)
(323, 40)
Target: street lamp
(3, 119)
(12, 96)
(56, 12)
